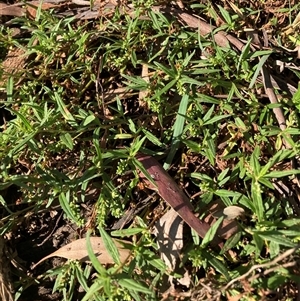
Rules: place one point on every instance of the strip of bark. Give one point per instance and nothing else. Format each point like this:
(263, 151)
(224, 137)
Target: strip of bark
(173, 195)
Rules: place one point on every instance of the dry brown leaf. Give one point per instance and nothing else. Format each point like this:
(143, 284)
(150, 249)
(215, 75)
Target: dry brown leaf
(14, 63)
(77, 250)
(11, 10)
(32, 9)
(169, 234)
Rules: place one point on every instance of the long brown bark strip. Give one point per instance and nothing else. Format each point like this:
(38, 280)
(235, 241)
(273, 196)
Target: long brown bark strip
(173, 195)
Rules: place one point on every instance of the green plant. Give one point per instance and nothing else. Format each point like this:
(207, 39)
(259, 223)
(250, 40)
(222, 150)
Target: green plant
(83, 112)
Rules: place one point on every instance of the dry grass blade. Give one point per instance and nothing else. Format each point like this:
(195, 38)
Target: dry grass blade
(77, 250)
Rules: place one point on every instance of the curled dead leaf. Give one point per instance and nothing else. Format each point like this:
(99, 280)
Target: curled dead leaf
(169, 235)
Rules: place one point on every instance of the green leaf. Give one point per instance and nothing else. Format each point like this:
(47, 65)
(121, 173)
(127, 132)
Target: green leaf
(211, 151)
(266, 182)
(282, 173)
(231, 242)
(127, 232)
(261, 53)
(257, 200)
(178, 129)
(289, 222)
(96, 138)
(156, 262)
(207, 99)
(25, 122)
(111, 248)
(152, 138)
(106, 286)
(81, 279)
(172, 72)
(244, 54)
(130, 284)
(208, 114)
(21, 144)
(93, 290)
(67, 140)
(289, 232)
(211, 233)
(89, 119)
(223, 174)
(296, 98)
(192, 145)
(136, 145)
(227, 193)
(276, 281)
(132, 126)
(3, 203)
(215, 119)
(274, 249)
(254, 163)
(217, 264)
(141, 167)
(95, 262)
(259, 243)
(277, 238)
(225, 15)
(163, 90)
(64, 201)
(258, 69)
(9, 89)
(64, 111)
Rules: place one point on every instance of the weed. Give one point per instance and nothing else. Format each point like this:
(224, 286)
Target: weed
(81, 111)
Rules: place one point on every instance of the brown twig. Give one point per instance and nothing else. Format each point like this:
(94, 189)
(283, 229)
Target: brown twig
(273, 269)
(261, 266)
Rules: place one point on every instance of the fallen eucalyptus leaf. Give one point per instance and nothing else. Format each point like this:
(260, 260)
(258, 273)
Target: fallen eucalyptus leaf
(77, 250)
(169, 235)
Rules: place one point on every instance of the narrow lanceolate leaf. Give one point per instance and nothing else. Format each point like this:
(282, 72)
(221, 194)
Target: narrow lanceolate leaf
(178, 129)
(66, 138)
(170, 192)
(279, 239)
(282, 173)
(133, 285)
(257, 200)
(212, 232)
(110, 246)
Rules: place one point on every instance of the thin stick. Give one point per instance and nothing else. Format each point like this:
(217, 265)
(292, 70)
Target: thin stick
(264, 265)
